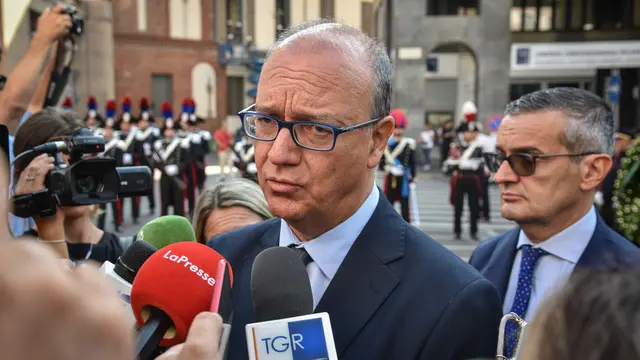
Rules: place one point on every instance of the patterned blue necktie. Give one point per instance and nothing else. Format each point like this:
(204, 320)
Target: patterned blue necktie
(523, 292)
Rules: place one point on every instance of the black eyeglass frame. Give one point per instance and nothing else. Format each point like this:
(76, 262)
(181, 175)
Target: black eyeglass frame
(289, 125)
(490, 158)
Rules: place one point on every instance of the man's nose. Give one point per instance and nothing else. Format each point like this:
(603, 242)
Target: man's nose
(284, 150)
(505, 174)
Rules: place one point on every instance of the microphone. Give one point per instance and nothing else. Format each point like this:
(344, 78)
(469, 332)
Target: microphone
(177, 283)
(123, 272)
(166, 230)
(283, 304)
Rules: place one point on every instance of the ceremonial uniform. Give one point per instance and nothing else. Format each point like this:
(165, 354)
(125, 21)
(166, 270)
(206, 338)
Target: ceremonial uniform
(191, 138)
(170, 157)
(205, 149)
(467, 180)
(126, 144)
(245, 160)
(398, 163)
(93, 121)
(112, 150)
(145, 138)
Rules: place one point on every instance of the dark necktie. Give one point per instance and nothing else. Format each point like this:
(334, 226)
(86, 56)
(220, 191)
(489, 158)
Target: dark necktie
(530, 257)
(302, 253)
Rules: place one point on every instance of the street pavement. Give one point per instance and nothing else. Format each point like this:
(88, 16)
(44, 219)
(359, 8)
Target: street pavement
(435, 213)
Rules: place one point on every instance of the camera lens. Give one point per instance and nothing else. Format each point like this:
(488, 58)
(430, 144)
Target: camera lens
(89, 184)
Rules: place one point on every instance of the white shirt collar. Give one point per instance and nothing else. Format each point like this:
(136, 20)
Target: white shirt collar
(569, 244)
(329, 249)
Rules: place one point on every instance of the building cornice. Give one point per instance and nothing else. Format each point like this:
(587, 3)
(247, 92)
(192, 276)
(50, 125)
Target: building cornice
(164, 41)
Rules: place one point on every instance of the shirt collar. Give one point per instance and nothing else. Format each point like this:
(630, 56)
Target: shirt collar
(569, 244)
(329, 249)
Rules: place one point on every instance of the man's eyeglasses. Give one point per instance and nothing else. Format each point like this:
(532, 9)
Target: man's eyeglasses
(522, 164)
(306, 134)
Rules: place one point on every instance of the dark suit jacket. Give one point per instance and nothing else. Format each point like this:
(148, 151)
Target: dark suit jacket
(606, 250)
(398, 294)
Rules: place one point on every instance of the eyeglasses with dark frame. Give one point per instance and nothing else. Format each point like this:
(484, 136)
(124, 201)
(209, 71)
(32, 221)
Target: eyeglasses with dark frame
(522, 164)
(310, 135)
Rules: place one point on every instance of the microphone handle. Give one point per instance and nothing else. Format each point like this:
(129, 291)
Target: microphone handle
(151, 333)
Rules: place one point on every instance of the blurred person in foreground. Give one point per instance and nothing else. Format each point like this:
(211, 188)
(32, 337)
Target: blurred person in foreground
(228, 205)
(53, 311)
(321, 124)
(594, 317)
(554, 148)
(71, 231)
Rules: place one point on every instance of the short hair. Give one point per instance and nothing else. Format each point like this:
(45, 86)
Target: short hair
(589, 126)
(596, 316)
(374, 54)
(228, 192)
(49, 124)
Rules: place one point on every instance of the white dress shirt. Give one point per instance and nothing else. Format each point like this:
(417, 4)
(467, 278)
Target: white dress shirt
(552, 270)
(329, 249)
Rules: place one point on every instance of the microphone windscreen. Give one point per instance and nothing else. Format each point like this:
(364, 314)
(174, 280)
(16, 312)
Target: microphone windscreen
(179, 280)
(132, 259)
(166, 230)
(280, 286)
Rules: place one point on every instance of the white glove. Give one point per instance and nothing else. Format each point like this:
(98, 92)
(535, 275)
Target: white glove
(127, 159)
(396, 170)
(252, 168)
(598, 198)
(412, 186)
(171, 169)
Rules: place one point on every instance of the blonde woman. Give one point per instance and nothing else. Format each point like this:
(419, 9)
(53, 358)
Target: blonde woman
(229, 204)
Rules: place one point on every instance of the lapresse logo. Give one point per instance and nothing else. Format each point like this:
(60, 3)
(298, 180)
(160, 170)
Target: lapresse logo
(296, 340)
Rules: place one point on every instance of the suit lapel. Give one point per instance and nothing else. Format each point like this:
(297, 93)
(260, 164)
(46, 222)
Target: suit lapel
(243, 300)
(364, 281)
(498, 269)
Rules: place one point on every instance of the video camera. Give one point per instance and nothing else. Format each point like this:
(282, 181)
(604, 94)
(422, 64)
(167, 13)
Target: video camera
(77, 23)
(86, 181)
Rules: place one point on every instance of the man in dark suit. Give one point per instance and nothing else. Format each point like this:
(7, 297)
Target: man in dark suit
(553, 150)
(391, 291)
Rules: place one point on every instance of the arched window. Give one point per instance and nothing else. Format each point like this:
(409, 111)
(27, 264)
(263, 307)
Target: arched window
(203, 89)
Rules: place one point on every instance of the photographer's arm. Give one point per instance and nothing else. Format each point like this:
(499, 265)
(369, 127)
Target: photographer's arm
(37, 101)
(23, 80)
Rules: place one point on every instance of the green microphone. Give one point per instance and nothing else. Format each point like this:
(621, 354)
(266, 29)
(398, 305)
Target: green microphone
(166, 230)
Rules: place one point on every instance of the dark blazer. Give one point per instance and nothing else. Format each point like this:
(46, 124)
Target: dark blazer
(606, 249)
(398, 294)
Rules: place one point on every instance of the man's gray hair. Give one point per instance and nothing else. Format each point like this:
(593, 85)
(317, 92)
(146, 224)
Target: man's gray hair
(228, 192)
(358, 43)
(589, 120)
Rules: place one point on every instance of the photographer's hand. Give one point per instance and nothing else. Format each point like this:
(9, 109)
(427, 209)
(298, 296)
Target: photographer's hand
(50, 228)
(52, 25)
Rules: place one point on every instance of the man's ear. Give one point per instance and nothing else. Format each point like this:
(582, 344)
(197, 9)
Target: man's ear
(381, 134)
(594, 168)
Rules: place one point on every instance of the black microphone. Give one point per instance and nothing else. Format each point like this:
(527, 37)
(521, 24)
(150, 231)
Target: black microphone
(283, 303)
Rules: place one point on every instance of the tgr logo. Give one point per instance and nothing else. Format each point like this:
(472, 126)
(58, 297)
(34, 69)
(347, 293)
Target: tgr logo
(296, 340)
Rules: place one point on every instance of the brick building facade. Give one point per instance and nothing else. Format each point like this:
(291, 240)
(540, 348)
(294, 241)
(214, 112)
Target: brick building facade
(165, 58)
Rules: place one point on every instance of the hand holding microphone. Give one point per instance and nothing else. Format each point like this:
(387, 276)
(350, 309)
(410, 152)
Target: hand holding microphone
(198, 346)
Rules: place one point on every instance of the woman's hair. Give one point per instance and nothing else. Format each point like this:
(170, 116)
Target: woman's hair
(50, 124)
(595, 317)
(225, 193)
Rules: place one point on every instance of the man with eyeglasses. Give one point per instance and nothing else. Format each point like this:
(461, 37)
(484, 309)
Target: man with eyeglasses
(321, 124)
(554, 148)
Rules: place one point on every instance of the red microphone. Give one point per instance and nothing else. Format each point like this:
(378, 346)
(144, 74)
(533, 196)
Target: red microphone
(174, 285)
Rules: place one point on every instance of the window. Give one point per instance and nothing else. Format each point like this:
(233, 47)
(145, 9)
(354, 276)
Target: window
(327, 9)
(161, 90)
(574, 15)
(518, 90)
(453, 7)
(234, 21)
(282, 16)
(185, 19)
(235, 95)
